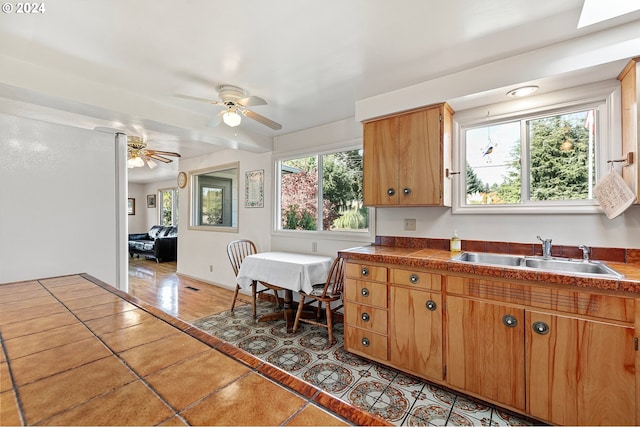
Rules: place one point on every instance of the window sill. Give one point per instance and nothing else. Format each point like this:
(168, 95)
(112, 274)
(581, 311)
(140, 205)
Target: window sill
(527, 210)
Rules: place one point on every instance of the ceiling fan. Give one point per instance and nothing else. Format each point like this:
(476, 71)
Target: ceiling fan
(138, 154)
(235, 102)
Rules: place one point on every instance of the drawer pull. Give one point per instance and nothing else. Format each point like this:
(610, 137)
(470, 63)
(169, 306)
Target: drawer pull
(431, 305)
(365, 342)
(540, 328)
(364, 271)
(509, 321)
(365, 317)
(414, 278)
(406, 191)
(365, 292)
(391, 191)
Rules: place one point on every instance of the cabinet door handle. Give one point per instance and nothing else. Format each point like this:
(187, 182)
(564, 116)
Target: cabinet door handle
(365, 317)
(365, 342)
(364, 271)
(406, 191)
(431, 305)
(540, 328)
(365, 292)
(509, 321)
(391, 191)
(414, 278)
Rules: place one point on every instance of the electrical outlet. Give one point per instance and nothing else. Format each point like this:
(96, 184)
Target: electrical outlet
(314, 246)
(210, 268)
(410, 224)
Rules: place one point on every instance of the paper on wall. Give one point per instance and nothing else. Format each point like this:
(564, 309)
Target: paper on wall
(613, 194)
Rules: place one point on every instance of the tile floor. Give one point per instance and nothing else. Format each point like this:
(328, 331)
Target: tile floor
(394, 396)
(76, 352)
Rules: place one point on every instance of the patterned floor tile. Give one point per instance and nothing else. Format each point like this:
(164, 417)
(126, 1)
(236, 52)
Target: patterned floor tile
(399, 398)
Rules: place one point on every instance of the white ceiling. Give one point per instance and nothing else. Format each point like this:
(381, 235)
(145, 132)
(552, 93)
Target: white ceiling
(120, 63)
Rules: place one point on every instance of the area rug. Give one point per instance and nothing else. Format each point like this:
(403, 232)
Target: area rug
(307, 354)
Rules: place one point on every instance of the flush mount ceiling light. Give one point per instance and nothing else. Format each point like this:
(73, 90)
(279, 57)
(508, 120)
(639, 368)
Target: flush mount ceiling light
(231, 117)
(522, 91)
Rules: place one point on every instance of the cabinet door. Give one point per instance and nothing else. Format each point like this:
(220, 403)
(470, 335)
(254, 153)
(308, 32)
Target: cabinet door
(415, 331)
(420, 157)
(380, 162)
(485, 350)
(580, 372)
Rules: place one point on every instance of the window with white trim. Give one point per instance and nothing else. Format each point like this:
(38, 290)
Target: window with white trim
(168, 206)
(543, 160)
(321, 192)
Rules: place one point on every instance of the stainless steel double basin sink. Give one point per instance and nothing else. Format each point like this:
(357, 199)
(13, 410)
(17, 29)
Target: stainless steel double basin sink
(552, 264)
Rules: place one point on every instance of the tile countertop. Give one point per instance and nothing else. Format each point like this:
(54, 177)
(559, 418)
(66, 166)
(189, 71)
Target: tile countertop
(438, 259)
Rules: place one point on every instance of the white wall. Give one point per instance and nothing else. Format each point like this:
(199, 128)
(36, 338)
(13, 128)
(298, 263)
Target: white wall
(568, 230)
(57, 201)
(203, 254)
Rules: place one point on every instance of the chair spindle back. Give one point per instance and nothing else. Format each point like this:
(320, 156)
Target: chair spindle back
(238, 250)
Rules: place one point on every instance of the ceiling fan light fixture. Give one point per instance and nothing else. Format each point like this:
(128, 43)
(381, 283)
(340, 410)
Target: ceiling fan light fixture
(522, 91)
(151, 163)
(135, 162)
(231, 117)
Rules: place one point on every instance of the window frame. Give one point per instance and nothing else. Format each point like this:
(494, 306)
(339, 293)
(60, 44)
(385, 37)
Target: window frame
(194, 198)
(604, 98)
(174, 204)
(277, 230)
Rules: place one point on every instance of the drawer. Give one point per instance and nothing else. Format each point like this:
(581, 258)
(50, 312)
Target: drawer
(416, 279)
(366, 343)
(369, 293)
(366, 272)
(365, 317)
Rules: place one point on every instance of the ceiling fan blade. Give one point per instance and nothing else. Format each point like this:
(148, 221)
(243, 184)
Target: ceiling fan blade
(251, 101)
(262, 119)
(195, 98)
(164, 153)
(159, 158)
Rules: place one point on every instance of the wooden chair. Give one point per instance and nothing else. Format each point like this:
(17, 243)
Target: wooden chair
(237, 251)
(326, 293)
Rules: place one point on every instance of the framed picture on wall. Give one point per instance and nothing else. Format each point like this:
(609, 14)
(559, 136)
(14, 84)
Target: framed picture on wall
(151, 201)
(254, 189)
(131, 206)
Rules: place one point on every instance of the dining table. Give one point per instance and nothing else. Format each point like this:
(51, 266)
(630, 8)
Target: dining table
(293, 272)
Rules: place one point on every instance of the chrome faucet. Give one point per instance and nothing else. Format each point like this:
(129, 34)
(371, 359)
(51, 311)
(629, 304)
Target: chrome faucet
(585, 252)
(546, 247)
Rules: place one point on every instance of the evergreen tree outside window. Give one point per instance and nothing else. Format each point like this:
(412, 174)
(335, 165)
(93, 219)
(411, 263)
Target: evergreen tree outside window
(549, 158)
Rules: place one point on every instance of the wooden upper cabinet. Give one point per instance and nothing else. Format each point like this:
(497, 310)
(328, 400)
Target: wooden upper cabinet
(630, 86)
(405, 157)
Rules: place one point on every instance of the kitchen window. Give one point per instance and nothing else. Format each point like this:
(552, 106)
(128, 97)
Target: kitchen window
(321, 192)
(545, 160)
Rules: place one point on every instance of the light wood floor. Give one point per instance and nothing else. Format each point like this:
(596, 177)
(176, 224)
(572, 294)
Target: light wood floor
(185, 298)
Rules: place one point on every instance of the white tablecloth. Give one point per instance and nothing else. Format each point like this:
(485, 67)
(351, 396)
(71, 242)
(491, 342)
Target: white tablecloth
(285, 269)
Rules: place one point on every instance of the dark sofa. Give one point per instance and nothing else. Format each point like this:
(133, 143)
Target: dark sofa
(160, 243)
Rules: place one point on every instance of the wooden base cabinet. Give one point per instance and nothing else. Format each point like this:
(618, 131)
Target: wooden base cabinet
(580, 372)
(485, 350)
(415, 326)
(558, 354)
(365, 311)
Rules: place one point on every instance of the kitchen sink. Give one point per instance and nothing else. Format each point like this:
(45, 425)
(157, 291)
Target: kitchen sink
(571, 266)
(487, 258)
(562, 265)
